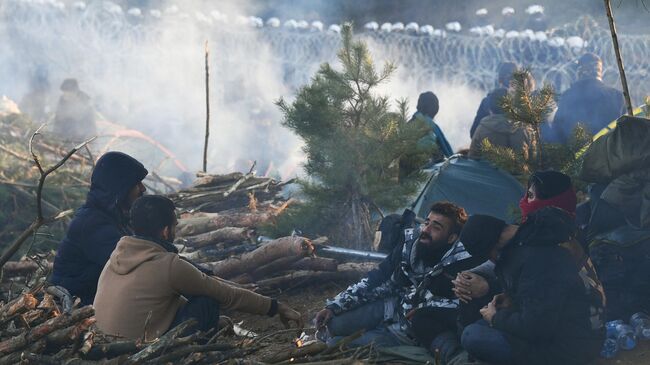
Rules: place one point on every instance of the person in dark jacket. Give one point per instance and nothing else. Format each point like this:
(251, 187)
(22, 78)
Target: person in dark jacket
(99, 224)
(505, 71)
(500, 131)
(75, 115)
(551, 310)
(408, 298)
(588, 101)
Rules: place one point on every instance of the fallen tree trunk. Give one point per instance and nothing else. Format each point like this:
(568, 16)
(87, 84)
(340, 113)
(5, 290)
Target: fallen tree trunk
(315, 264)
(194, 226)
(226, 234)
(271, 251)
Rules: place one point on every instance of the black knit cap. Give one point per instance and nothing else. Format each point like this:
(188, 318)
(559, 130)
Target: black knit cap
(480, 235)
(428, 104)
(549, 183)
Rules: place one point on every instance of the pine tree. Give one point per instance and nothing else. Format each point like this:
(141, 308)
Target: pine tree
(527, 108)
(353, 145)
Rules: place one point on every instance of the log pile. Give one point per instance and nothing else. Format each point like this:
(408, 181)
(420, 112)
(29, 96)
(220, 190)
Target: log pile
(220, 218)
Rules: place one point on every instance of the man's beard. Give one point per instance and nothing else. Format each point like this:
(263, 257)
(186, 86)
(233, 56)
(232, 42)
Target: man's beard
(429, 247)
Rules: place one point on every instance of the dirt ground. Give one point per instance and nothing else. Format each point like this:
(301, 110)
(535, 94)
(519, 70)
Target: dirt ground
(309, 301)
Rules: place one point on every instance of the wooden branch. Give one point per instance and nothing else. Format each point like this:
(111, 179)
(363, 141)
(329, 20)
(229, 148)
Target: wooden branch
(159, 345)
(619, 58)
(273, 267)
(113, 349)
(68, 335)
(301, 278)
(207, 109)
(40, 220)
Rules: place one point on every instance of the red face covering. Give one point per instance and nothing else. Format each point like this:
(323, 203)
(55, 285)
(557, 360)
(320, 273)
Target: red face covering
(566, 201)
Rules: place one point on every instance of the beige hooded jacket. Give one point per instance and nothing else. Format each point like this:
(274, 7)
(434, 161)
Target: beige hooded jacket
(142, 277)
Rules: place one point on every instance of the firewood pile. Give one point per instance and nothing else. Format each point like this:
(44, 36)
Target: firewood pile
(220, 218)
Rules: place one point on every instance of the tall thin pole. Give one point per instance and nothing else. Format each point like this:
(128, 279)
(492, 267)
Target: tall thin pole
(207, 110)
(619, 59)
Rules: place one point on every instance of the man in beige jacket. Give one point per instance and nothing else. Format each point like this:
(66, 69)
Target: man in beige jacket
(145, 277)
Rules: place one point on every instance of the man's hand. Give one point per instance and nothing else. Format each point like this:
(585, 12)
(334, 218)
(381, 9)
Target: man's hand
(468, 286)
(502, 301)
(323, 317)
(287, 314)
(488, 312)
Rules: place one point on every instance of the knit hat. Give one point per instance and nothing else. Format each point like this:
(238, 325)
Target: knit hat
(428, 104)
(549, 183)
(480, 235)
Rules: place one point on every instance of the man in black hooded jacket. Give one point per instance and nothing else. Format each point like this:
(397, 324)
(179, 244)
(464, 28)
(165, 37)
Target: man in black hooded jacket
(116, 183)
(551, 310)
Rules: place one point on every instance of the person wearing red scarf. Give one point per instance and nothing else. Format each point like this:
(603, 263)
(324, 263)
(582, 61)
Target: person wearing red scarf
(548, 189)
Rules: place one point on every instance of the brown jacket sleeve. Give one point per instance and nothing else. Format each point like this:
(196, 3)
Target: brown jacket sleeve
(188, 280)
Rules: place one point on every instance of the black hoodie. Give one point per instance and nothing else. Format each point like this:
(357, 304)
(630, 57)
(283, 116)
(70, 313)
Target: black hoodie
(556, 318)
(96, 226)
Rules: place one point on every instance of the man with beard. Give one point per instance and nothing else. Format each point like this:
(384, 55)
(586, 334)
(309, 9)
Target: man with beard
(115, 184)
(146, 288)
(408, 298)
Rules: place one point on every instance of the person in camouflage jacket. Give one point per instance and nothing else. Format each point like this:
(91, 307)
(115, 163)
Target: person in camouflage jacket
(401, 301)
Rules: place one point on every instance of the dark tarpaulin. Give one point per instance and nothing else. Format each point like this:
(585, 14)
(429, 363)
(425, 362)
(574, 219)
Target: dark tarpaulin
(475, 185)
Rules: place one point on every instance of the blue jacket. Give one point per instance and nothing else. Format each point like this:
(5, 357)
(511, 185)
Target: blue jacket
(96, 226)
(588, 101)
(436, 136)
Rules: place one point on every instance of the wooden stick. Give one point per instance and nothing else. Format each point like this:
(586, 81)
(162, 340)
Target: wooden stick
(619, 58)
(207, 109)
(163, 342)
(186, 350)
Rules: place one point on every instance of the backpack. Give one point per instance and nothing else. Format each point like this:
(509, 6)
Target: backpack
(622, 260)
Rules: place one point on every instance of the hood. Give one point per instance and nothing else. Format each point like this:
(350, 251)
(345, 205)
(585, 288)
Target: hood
(131, 252)
(498, 123)
(548, 226)
(114, 175)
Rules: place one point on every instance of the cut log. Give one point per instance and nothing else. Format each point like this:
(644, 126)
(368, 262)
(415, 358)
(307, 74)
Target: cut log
(194, 226)
(68, 335)
(14, 358)
(33, 316)
(19, 305)
(212, 255)
(21, 268)
(159, 345)
(297, 352)
(18, 342)
(113, 349)
(273, 267)
(212, 180)
(315, 264)
(271, 251)
(226, 234)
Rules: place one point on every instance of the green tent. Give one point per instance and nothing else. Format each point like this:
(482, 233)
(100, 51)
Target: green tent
(476, 185)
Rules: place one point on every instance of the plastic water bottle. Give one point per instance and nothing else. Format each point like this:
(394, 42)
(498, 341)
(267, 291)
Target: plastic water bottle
(641, 323)
(625, 337)
(611, 328)
(610, 349)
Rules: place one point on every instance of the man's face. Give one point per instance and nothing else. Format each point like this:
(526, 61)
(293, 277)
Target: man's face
(436, 231)
(135, 192)
(169, 233)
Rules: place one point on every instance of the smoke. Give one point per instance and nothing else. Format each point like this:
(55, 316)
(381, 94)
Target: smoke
(144, 69)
